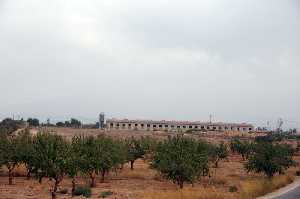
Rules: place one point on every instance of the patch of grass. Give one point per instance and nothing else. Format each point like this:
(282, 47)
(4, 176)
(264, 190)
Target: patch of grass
(188, 193)
(260, 187)
(84, 191)
(105, 194)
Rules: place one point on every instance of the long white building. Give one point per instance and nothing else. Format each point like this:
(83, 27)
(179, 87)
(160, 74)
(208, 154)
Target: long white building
(163, 125)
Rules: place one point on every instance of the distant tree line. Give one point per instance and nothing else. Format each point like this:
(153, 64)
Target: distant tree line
(8, 125)
(72, 123)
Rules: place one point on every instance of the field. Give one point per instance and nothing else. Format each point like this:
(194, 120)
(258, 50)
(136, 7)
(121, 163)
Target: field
(145, 183)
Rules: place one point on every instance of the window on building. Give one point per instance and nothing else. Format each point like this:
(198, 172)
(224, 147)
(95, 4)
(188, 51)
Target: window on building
(172, 126)
(129, 125)
(238, 128)
(142, 125)
(154, 126)
(135, 124)
(123, 125)
(160, 126)
(244, 129)
(166, 126)
(118, 124)
(111, 124)
(196, 127)
(202, 127)
(226, 127)
(250, 129)
(148, 125)
(190, 127)
(214, 128)
(178, 127)
(220, 128)
(184, 127)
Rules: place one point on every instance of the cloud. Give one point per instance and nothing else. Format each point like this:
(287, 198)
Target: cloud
(151, 59)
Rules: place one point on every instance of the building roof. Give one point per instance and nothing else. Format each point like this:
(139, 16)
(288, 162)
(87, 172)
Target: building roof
(172, 122)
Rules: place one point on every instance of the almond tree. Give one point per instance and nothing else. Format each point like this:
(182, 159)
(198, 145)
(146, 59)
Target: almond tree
(181, 159)
(51, 158)
(135, 150)
(269, 158)
(10, 154)
(88, 160)
(27, 152)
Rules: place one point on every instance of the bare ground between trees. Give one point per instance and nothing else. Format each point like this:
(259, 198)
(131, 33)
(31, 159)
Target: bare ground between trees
(144, 182)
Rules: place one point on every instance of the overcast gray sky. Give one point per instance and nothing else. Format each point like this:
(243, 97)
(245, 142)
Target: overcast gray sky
(158, 59)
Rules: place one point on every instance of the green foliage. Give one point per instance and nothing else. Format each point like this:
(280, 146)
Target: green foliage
(149, 146)
(105, 194)
(63, 191)
(10, 156)
(75, 123)
(232, 188)
(33, 122)
(84, 191)
(60, 124)
(98, 155)
(270, 158)
(181, 159)
(218, 152)
(27, 154)
(135, 150)
(244, 148)
(51, 153)
(8, 126)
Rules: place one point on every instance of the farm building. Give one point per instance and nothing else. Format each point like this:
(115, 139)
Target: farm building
(151, 125)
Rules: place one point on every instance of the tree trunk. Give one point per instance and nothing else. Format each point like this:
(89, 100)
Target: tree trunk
(28, 176)
(131, 164)
(180, 184)
(55, 189)
(10, 176)
(93, 182)
(73, 186)
(102, 176)
(217, 163)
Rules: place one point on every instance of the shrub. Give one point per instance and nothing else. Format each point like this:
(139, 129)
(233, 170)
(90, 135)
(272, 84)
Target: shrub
(84, 191)
(232, 188)
(105, 194)
(63, 191)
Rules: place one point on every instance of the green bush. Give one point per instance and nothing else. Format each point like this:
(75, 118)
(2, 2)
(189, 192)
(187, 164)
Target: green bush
(63, 191)
(84, 191)
(232, 188)
(105, 194)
